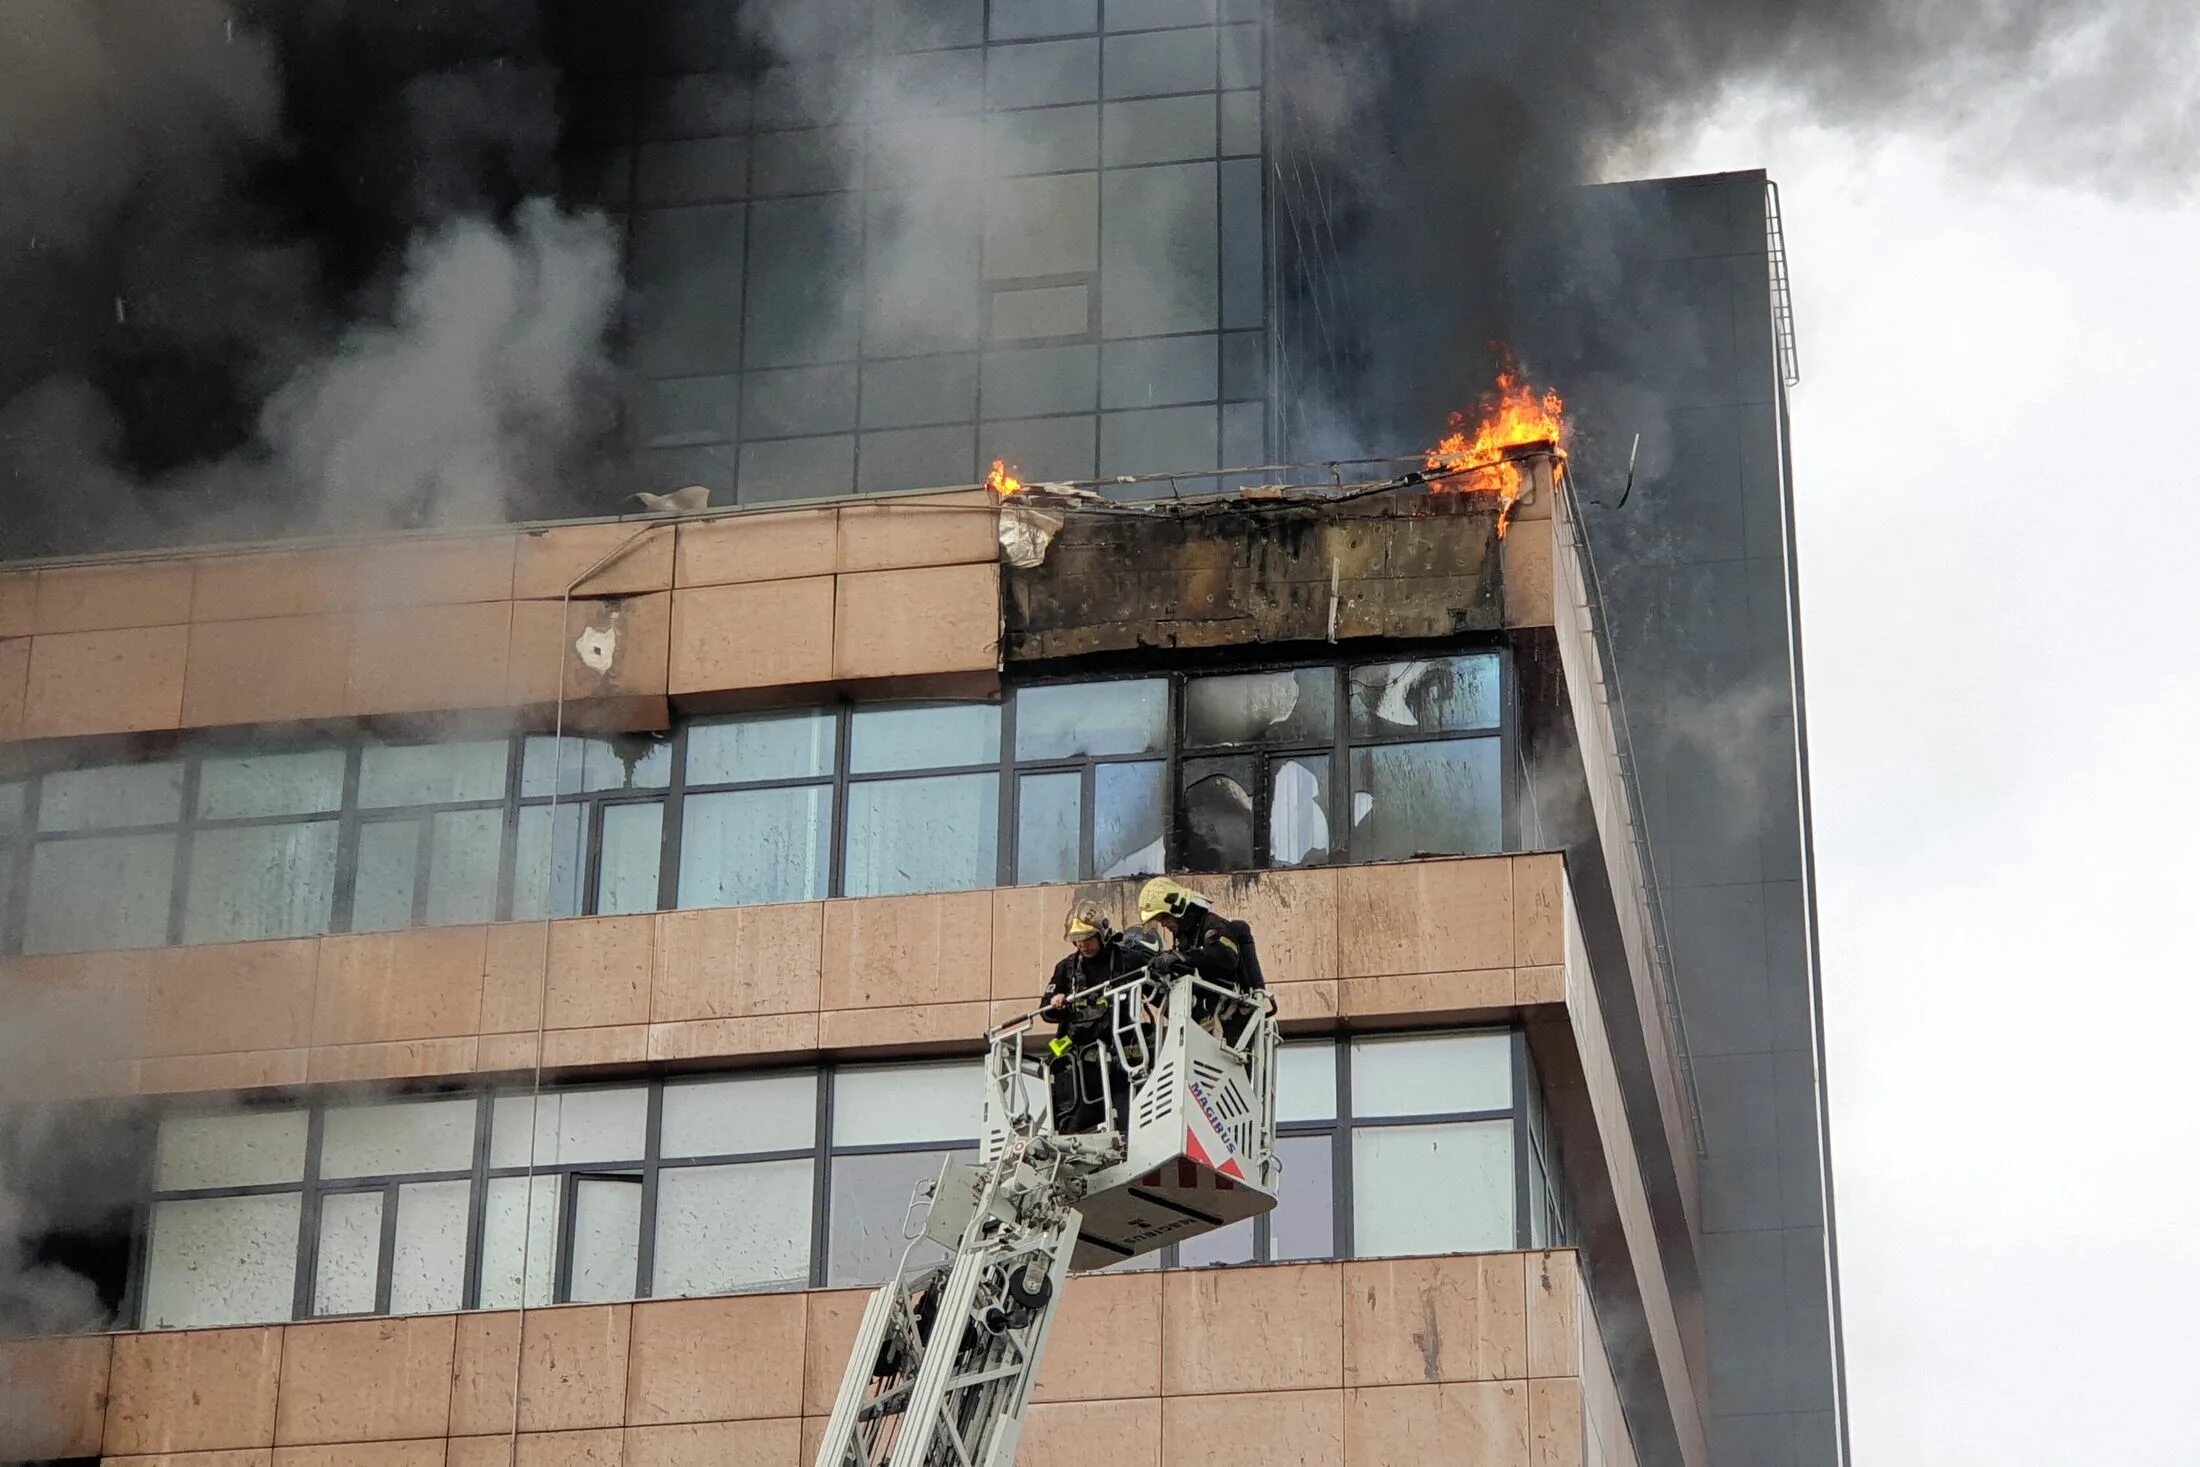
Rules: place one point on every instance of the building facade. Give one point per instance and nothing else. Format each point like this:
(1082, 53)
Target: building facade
(506, 984)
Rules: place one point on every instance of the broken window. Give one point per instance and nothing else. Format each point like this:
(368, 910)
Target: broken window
(1269, 805)
(1426, 799)
(1431, 695)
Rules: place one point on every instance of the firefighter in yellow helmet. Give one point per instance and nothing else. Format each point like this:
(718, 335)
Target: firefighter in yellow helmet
(1219, 949)
(1079, 1011)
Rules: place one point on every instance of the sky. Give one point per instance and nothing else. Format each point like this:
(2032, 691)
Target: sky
(1996, 521)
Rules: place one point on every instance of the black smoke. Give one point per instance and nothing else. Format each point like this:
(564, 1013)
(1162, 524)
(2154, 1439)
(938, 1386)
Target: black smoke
(230, 235)
(1427, 166)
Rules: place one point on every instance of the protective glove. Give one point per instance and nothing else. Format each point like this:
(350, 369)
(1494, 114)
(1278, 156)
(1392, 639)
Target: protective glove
(1168, 965)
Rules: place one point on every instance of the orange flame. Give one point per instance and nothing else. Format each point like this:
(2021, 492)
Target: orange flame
(1003, 480)
(1474, 457)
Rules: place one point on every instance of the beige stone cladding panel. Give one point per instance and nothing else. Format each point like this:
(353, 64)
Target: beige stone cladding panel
(18, 603)
(105, 682)
(424, 983)
(627, 558)
(392, 673)
(279, 669)
(1417, 1321)
(728, 1359)
(603, 649)
(53, 1396)
(1482, 1422)
(778, 546)
(752, 635)
(258, 586)
(1231, 1330)
(887, 951)
(917, 622)
(1106, 1340)
(439, 570)
(15, 677)
(365, 1380)
(226, 997)
(773, 1443)
(93, 598)
(427, 1452)
(195, 1390)
(1273, 1428)
(599, 972)
(1424, 917)
(1555, 1309)
(738, 962)
(921, 530)
(1092, 1434)
(573, 1364)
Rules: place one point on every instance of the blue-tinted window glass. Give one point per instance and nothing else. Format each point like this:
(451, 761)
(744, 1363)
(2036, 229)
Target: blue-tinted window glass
(1128, 818)
(256, 881)
(1064, 720)
(885, 739)
(385, 872)
(468, 847)
(1435, 798)
(930, 834)
(588, 765)
(747, 846)
(1047, 827)
(432, 774)
(546, 875)
(110, 796)
(271, 784)
(104, 891)
(769, 746)
(633, 840)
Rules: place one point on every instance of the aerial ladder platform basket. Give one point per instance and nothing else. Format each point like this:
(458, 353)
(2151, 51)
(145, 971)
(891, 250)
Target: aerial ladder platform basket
(948, 1352)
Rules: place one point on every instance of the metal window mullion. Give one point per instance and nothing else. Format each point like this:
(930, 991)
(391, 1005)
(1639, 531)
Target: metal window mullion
(1340, 769)
(1340, 1155)
(1172, 794)
(423, 859)
(1005, 839)
(385, 1260)
(1508, 746)
(179, 875)
(309, 1217)
(821, 1197)
(132, 1309)
(1088, 805)
(343, 902)
(561, 1248)
(508, 849)
(645, 1242)
(670, 826)
(1522, 1141)
(836, 874)
(477, 1203)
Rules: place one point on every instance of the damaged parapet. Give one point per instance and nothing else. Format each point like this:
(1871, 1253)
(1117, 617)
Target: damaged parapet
(1084, 576)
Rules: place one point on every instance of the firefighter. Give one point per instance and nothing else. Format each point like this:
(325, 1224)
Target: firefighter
(1080, 1051)
(1219, 949)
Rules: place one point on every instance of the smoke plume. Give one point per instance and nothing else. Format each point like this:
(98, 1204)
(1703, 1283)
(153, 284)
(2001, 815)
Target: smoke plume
(276, 268)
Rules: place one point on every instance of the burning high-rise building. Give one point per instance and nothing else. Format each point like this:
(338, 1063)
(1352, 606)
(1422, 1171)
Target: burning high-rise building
(479, 984)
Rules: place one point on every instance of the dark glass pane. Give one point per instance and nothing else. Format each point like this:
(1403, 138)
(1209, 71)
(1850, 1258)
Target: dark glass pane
(1064, 720)
(462, 866)
(633, 840)
(1304, 1224)
(111, 796)
(432, 774)
(936, 834)
(884, 739)
(631, 762)
(258, 881)
(1298, 812)
(1440, 799)
(772, 746)
(1275, 708)
(271, 784)
(546, 882)
(871, 1199)
(1047, 827)
(1435, 695)
(386, 869)
(1127, 818)
(1217, 813)
(750, 846)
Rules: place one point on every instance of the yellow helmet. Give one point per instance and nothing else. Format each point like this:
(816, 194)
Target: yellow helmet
(1087, 919)
(1162, 897)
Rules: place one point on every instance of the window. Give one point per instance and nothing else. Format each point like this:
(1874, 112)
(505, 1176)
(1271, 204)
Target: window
(1059, 782)
(1091, 779)
(775, 1179)
(923, 799)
